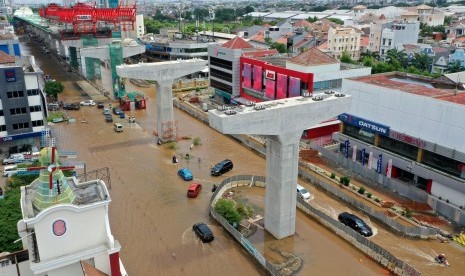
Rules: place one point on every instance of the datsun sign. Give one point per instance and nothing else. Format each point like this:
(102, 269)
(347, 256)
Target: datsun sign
(364, 124)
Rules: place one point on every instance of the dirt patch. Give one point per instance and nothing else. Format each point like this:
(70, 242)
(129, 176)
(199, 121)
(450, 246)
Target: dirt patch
(415, 206)
(312, 156)
(430, 219)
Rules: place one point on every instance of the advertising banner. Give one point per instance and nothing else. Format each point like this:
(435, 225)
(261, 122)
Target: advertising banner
(363, 157)
(294, 87)
(389, 168)
(281, 91)
(364, 124)
(370, 160)
(257, 78)
(346, 148)
(379, 163)
(247, 75)
(270, 89)
(354, 153)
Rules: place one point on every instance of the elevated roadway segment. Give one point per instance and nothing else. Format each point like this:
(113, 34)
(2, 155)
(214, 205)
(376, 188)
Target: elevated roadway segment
(282, 122)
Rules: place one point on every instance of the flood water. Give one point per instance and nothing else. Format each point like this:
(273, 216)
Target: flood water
(150, 214)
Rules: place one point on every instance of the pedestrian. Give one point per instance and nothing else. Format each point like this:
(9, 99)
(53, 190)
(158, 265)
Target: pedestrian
(199, 160)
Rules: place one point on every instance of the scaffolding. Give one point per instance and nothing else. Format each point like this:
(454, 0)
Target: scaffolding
(116, 58)
(169, 131)
(92, 64)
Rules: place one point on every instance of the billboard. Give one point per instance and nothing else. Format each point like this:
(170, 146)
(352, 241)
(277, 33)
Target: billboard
(281, 90)
(294, 87)
(270, 89)
(364, 124)
(257, 78)
(247, 75)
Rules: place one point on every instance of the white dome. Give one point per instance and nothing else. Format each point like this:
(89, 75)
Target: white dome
(129, 42)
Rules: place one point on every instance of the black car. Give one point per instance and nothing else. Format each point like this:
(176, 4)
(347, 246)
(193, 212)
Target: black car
(355, 223)
(222, 167)
(203, 232)
(108, 118)
(71, 106)
(100, 105)
(117, 110)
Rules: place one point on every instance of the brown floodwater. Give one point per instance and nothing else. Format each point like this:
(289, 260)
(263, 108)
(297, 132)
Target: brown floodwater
(152, 217)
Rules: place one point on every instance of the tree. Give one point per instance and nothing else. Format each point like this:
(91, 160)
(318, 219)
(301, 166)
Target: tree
(447, 20)
(53, 88)
(395, 56)
(279, 46)
(312, 19)
(249, 9)
(454, 67)
(227, 210)
(336, 20)
(422, 61)
(346, 58)
(201, 13)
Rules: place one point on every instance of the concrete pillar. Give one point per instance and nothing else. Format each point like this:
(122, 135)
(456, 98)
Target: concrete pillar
(107, 80)
(377, 140)
(62, 50)
(164, 107)
(282, 155)
(419, 155)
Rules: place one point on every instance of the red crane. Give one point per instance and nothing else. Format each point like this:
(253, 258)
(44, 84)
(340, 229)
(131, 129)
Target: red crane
(86, 18)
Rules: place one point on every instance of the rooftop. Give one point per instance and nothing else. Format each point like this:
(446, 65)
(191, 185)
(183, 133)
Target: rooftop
(237, 43)
(313, 56)
(414, 84)
(86, 193)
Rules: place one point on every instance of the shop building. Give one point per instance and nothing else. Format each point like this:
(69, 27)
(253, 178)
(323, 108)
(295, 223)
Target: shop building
(406, 132)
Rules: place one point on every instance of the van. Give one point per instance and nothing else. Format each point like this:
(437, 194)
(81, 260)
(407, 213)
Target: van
(303, 193)
(118, 127)
(10, 170)
(14, 158)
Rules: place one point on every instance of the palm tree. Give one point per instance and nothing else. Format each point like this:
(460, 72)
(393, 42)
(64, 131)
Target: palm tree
(454, 67)
(394, 55)
(422, 61)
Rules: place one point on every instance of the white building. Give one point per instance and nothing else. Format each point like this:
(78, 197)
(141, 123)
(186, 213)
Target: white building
(394, 35)
(412, 134)
(65, 225)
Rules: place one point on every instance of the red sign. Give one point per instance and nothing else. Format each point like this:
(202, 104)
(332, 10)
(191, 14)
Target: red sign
(270, 75)
(407, 139)
(59, 227)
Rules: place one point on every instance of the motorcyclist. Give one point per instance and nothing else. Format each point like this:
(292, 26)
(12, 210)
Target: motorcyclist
(175, 160)
(442, 258)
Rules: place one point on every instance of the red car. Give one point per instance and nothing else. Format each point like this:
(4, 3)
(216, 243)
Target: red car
(194, 190)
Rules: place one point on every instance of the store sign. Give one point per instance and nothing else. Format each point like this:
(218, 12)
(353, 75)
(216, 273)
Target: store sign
(216, 53)
(270, 75)
(363, 157)
(59, 227)
(10, 75)
(407, 139)
(346, 146)
(364, 124)
(84, 17)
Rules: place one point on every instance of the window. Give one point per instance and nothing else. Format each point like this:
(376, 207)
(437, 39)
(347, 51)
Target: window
(35, 108)
(33, 92)
(221, 75)
(37, 123)
(18, 110)
(221, 63)
(20, 126)
(15, 94)
(1, 112)
(3, 128)
(384, 41)
(221, 86)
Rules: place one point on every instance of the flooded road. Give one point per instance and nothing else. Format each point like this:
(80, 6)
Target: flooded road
(152, 217)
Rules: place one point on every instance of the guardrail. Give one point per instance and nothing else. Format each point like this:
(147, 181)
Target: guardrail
(379, 254)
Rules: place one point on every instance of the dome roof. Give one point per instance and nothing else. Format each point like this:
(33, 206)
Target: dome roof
(129, 42)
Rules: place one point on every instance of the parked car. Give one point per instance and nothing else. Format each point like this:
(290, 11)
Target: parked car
(194, 190)
(10, 170)
(117, 110)
(106, 111)
(185, 174)
(222, 167)
(88, 103)
(303, 193)
(108, 118)
(71, 106)
(355, 223)
(100, 105)
(14, 158)
(53, 106)
(203, 232)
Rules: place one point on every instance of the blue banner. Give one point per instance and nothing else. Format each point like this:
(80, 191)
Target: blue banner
(20, 136)
(379, 163)
(10, 75)
(363, 157)
(364, 124)
(346, 146)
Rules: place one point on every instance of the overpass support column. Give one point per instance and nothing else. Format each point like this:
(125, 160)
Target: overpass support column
(282, 156)
(165, 117)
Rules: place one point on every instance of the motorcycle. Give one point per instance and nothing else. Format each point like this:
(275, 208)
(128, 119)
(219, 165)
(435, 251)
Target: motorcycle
(442, 260)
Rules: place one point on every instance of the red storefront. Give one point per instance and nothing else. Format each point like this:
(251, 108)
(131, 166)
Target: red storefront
(261, 81)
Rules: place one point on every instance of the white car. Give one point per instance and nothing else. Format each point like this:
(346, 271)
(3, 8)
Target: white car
(303, 193)
(88, 102)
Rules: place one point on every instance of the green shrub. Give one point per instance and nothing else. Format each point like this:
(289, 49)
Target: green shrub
(345, 180)
(407, 212)
(333, 175)
(361, 190)
(227, 210)
(378, 200)
(369, 195)
(197, 141)
(172, 145)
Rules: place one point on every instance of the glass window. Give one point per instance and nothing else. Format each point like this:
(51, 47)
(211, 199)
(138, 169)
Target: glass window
(360, 134)
(398, 147)
(221, 63)
(442, 163)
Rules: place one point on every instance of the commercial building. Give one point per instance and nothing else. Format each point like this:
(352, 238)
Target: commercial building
(342, 40)
(22, 100)
(393, 35)
(409, 129)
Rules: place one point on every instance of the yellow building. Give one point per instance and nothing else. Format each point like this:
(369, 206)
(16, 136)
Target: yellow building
(342, 39)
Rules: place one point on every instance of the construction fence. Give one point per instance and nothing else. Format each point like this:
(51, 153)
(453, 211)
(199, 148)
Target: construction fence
(379, 254)
(410, 231)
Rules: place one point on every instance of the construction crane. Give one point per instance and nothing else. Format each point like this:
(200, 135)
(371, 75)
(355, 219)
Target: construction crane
(87, 19)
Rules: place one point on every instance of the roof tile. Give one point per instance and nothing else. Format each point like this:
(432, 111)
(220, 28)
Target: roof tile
(237, 43)
(313, 56)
